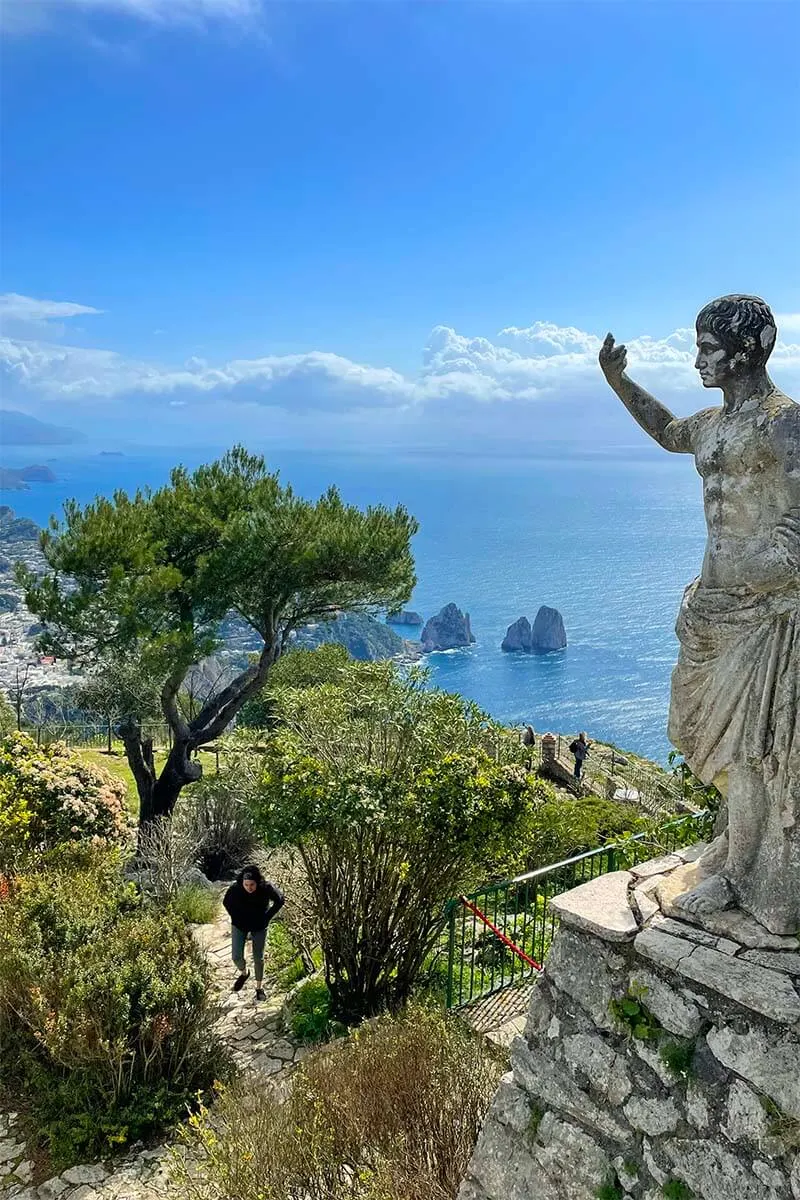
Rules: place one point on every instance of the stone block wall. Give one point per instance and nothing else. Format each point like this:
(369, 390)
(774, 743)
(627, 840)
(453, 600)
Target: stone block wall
(658, 1060)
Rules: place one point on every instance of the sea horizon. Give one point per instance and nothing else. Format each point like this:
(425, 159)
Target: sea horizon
(610, 540)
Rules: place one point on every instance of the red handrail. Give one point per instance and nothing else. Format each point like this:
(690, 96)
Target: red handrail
(473, 908)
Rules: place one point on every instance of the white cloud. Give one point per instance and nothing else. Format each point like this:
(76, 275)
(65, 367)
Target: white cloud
(26, 308)
(31, 16)
(466, 385)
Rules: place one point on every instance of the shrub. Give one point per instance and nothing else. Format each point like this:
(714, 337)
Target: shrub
(165, 855)
(196, 904)
(217, 822)
(310, 1012)
(105, 1021)
(390, 1114)
(50, 795)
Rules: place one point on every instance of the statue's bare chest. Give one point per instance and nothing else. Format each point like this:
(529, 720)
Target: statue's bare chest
(735, 445)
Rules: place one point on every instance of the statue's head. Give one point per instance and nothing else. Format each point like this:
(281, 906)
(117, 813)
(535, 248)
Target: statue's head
(735, 335)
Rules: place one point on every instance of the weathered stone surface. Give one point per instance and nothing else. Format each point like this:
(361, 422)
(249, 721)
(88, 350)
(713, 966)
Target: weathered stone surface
(651, 1116)
(767, 992)
(771, 1065)
(729, 923)
(600, 907)
(745, 1117)
(519, 638)
(675, 1013)
(697, 1105)
(775, 960)
(510, 1105)
(503, 1167)
(604, 1069)
(656, 866)
(648, 1054)
(644, 906)
(572, 1162)
(552, 1085)
(448, 630)
(713, 1172)
(771, 1178)
(794, 1178)
(548, 631)
(694, 934)
(584, 969)
(661, 1176)
(88, 1173)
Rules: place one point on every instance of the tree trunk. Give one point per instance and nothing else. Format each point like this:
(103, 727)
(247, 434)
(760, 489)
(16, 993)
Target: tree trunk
(178, 770)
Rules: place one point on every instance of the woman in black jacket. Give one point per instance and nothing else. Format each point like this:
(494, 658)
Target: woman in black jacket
(251, 902)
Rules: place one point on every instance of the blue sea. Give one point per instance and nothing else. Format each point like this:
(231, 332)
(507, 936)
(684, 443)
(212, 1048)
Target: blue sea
(610, 541)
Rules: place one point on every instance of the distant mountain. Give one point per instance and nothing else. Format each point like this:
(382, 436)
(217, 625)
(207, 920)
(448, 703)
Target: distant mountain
(18, 429)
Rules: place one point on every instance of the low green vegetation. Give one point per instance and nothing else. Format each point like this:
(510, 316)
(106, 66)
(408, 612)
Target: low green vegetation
(676, 1189)
(632, 1012)
(390, 1113)
(196, 904)
(310, 1012)
(106, 1027)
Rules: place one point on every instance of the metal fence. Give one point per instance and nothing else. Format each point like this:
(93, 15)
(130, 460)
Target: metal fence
(100, 736)
(479, 962)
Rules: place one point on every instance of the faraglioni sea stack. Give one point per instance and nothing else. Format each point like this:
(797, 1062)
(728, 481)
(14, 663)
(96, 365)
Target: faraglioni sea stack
(448, 630)
(546, 634)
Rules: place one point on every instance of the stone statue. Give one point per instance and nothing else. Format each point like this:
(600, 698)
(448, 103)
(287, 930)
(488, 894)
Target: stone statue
(735, 704)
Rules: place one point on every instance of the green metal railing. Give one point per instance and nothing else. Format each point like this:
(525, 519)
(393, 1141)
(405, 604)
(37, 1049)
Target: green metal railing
(479, 963)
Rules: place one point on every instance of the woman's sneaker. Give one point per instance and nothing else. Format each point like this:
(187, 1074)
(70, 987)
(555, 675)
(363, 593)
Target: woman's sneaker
(260, 994)
(240, 981)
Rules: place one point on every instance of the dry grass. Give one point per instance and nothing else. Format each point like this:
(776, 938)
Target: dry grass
(393, 1113)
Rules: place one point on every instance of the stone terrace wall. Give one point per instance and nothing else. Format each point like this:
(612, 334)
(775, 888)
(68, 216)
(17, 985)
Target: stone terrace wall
(691, 1088)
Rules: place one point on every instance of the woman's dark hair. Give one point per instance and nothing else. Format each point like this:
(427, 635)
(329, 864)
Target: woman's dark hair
(251, 872)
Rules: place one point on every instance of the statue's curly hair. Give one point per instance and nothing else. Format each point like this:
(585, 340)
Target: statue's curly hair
(744, 324)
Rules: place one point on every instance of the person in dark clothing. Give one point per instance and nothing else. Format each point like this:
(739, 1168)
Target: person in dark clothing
(529, 741)
(251, 903)
(579, 748)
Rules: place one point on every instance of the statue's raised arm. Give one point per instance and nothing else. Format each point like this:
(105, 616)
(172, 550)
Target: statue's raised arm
(651, 414)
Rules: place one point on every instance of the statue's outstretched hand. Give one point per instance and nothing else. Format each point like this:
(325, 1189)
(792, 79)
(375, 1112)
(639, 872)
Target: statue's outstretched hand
(613, 359)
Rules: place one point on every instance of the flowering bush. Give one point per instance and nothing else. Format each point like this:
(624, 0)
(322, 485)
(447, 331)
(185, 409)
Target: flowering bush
(50, 795)
(106, 1021)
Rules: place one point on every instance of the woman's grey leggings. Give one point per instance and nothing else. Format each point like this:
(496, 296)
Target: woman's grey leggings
(238, 940)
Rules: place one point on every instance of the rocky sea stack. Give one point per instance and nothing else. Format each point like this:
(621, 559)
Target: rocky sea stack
(448, 630)
(405, 617)
(546, 634)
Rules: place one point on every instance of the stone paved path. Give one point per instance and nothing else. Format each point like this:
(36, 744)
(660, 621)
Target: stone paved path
(259, 1045)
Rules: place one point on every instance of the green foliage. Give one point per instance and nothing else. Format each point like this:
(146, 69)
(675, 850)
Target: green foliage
(297, 668)
(610, 1190)
(391, 1113)
(397, 798)
(8, 718)
(50, 795)
(310, 1012)
(676, 1189)
(196, 904)
(118, 686)
(217, 822)
(700, 795)
(632, 1012)
(152, 577)
(566, 826)
(105, 1023)
(678, 1056)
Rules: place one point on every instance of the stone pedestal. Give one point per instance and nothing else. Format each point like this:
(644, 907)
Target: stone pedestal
(658, 1060)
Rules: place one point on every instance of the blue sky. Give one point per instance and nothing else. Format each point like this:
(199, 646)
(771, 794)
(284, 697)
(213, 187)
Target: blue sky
(398, 219)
